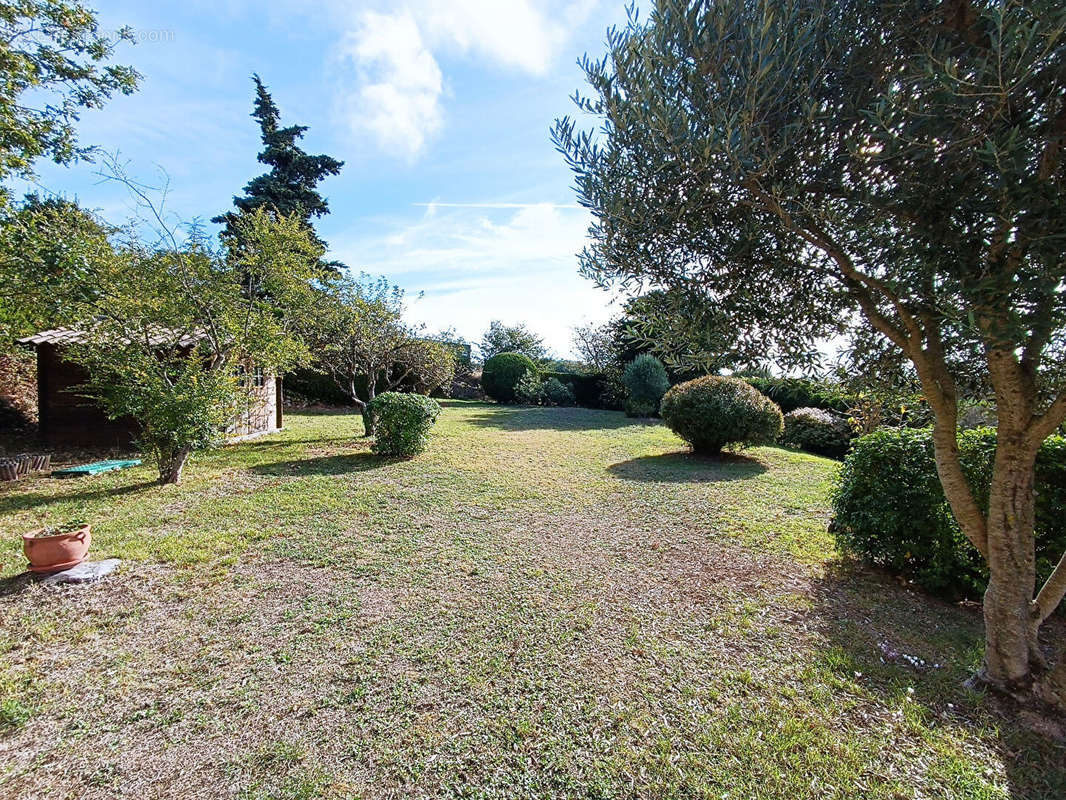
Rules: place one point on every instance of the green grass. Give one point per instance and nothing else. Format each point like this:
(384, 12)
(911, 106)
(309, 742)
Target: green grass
(548, 603)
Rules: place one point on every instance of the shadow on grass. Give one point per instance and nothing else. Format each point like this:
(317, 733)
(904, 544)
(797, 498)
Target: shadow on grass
(10, 503)
(533, 418)
(687, 468)
(912, 652)
(326, 465)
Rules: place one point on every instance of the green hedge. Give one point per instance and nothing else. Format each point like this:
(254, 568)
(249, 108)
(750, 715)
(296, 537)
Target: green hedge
(591, 390)
(793, 393)
(889, 508)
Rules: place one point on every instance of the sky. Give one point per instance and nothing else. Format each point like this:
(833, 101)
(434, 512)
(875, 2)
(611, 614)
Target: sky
(440, 109)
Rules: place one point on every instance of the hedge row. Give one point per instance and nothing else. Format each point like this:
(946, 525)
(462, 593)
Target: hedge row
(889, 508)
(793, 393)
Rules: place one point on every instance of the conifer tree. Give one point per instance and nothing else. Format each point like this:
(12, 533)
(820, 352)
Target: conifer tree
(290, 187)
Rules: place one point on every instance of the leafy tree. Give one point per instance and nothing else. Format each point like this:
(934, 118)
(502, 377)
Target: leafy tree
(173, 326)
(50, 250)
(594, 345)
(290, 187)
(55, 63)
(894, 165)
(680, 327)
(363, 343)
(500, 338)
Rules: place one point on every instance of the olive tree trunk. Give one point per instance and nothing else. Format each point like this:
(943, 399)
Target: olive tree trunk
(1012, 651)
(1005, 535)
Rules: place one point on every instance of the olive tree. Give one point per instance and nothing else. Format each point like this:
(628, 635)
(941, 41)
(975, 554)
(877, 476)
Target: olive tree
(895, 165)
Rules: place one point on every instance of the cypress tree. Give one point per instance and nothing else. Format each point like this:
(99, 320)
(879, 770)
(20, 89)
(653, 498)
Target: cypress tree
(290, 185)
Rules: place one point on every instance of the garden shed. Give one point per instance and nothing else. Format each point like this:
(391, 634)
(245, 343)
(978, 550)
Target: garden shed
(66, 418)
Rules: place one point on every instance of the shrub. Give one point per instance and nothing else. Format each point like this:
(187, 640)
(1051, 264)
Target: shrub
(793, 393)
(557, 393)
(529, 389)
(889, 508)
(817, 431)
(501, 375)
(402, 423)
(713, 412)
(646, 382)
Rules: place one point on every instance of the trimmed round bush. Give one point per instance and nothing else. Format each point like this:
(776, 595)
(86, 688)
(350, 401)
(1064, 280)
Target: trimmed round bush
(501, 375)
(713, 412)
(817, 431)
(646, 382)
(889, 508)
(402, 423)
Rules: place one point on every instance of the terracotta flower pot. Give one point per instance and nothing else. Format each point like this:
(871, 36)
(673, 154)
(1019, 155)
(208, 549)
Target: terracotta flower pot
(56, 553)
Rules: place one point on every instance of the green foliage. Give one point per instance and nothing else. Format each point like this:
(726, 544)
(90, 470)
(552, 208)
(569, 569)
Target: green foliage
(290, 188)
(54, 51)
(557, 393)
(500, 338)
(535, 389)
(179, 406)
(808, 163)
(817, 431)
(50, 250)
(402, 423)
(595, 345)
(680, 327)
(530, 388)
(889, 508)
(172, 328)
(712, 412)
(363, 343)
(592, 390)
(501, 374)
(793, 393)
(646, 382)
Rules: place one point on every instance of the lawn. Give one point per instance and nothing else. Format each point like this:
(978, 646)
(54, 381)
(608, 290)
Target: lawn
(548, 603)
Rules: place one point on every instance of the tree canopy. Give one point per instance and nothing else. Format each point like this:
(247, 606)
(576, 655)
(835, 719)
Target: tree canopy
(290, 187)
(501, 338)
(54, 58)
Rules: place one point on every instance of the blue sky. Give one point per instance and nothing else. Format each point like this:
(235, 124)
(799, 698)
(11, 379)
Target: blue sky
(441, 110)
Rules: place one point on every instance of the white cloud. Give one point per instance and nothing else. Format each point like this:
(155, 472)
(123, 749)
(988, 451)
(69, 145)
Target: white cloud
(515, 264)
(401, 84)
(390, 81)
(514, 33)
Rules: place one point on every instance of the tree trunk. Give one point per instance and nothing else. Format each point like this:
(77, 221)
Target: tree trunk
(368, 417)
(1012, 651)
(171, 467)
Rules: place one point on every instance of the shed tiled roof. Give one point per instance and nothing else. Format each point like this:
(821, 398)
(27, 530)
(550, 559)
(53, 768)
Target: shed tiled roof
(76, 336)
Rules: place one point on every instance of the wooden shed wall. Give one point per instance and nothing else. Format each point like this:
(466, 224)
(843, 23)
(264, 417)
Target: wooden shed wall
(65, 417)
(69, 420)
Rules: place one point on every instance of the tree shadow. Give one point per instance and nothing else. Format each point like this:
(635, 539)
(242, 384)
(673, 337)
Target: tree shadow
(686, 467)
(905, 647)
(341, 464)
(12, 502)
(532, 418)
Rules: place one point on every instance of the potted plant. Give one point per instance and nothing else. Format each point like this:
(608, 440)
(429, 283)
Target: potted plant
(59, 548)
